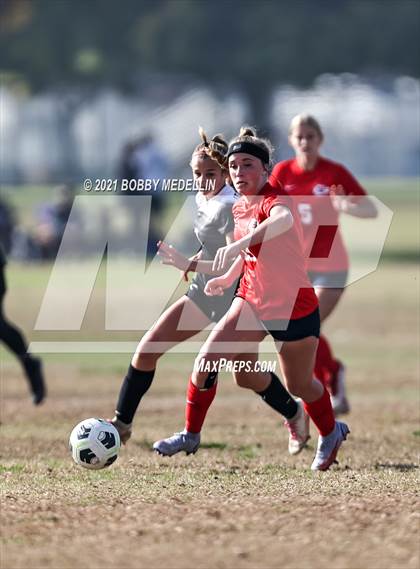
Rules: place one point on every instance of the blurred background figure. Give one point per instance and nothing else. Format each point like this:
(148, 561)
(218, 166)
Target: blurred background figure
(7, 225)
(52, 219)
(128, 167)
(153, 165)
(143, 159)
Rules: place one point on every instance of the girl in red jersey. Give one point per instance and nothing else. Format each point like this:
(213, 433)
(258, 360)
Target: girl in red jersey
(195, 311)
(274, 295)
(319, 185)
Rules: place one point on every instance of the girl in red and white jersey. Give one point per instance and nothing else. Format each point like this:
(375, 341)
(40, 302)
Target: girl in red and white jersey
(274, 296)
(320, 188)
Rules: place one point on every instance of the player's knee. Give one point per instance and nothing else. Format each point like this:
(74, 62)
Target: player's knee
(242, 380)
(145, 356)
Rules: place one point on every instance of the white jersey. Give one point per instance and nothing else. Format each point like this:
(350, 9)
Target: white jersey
(213, 221)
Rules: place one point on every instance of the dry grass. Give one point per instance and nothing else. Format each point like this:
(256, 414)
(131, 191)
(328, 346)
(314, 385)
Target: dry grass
(241, 501)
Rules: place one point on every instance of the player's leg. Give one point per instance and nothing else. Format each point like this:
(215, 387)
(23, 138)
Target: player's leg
(269, 387)
(165, 334)
(329, 369)
(198, 402)
(13, 338)
(238, 330)
(328, 299)
(297, 360)
(237, 338)
(201, 391)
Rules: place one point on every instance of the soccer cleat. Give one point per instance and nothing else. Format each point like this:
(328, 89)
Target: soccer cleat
(183, 441)
(339, 399)
(35, 376)
(328, 447)
(298, 428)
(124, 430)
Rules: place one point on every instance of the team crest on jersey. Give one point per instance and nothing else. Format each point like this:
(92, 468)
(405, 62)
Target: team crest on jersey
(320, 190)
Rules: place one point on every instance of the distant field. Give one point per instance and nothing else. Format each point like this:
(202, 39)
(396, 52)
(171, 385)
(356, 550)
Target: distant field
(241, 501)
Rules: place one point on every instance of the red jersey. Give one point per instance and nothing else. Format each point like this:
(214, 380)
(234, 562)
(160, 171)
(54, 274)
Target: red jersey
(274, 277)
(323, 243)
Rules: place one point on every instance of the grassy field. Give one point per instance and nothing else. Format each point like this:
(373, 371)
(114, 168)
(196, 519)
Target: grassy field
(241, 501)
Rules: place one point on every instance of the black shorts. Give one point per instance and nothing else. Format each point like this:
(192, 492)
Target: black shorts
(214, 307)
(296, 329)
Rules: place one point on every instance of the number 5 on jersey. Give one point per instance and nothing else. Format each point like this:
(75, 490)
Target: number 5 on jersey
(305, 212)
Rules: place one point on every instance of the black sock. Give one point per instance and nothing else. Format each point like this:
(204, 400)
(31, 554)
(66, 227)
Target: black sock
(134, 386)
(279, 398)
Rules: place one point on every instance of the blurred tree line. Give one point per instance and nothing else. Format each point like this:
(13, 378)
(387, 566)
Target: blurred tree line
(246, 44)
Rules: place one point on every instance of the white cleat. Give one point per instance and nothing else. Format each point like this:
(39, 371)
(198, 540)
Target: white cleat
(183, 441)
(298, 428)
(338, 396)
(328, 447)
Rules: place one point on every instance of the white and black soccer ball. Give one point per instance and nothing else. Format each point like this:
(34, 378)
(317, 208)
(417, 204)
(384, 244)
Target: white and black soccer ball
(94, 443)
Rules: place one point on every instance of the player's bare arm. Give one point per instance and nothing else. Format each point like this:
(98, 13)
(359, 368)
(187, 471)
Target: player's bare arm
(279, 221)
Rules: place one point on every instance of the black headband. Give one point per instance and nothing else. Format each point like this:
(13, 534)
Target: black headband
(249, 148)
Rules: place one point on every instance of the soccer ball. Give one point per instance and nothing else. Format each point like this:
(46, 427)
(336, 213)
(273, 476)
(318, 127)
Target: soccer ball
(94, 443)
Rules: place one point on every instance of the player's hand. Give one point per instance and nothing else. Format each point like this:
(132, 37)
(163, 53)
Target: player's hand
(170, 256)
(225, 256)
(216, 286)
(339, 198)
